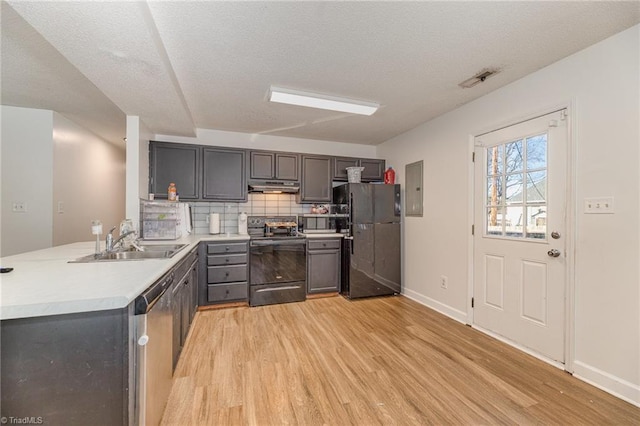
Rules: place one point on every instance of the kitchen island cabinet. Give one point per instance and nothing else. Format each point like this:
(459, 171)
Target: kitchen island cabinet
(323, 265)
(72, 369)
(68, 335)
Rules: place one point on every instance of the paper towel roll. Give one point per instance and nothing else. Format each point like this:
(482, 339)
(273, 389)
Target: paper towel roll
(214, 223)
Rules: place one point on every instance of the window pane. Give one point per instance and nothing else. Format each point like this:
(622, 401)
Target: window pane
(494, 220)
(514, 185)
(494, 160)
(513, 220)
(537, 222)
(514, 156)
(537, 187)
(537, 152)
(494, 191)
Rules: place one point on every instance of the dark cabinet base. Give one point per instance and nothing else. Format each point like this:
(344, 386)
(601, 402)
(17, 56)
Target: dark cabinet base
(68, 369)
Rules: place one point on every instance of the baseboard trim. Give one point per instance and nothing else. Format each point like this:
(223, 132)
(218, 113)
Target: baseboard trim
(609, 383)
(436, 306)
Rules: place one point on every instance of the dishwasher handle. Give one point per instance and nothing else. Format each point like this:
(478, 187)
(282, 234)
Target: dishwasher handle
(145, 302)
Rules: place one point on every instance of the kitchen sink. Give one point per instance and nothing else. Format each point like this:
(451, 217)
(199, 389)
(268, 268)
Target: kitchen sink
(149, 251)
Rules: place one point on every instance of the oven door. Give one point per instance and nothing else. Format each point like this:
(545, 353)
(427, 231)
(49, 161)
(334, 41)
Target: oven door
(278, 271)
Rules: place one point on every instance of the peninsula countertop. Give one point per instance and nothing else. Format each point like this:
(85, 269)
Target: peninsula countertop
(44, 283)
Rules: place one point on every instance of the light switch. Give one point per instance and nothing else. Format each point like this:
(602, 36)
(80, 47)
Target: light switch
(601, 205)
(60, 207)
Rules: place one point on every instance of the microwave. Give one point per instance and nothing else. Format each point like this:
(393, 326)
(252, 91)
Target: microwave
(323, 223)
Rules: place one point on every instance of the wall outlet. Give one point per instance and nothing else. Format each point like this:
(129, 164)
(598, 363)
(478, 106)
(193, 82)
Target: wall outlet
(444, 281)
(19, 207)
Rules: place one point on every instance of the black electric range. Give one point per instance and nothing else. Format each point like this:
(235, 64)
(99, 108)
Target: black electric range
(278, 260)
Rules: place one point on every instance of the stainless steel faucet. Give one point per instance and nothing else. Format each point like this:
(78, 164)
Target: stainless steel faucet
(111, 243)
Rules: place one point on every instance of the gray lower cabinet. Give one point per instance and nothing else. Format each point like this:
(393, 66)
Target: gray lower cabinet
(323, 265)
(177, 163)
(224, 174)
(183, 301)
(316, 180)
(225, 274)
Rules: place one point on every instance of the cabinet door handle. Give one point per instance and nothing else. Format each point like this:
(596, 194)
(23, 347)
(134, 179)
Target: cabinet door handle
(226, 248)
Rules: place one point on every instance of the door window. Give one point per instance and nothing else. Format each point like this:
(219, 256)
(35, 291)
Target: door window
(516, 189)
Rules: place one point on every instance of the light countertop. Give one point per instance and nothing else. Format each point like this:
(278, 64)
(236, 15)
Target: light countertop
(313, 235)
(44, 283)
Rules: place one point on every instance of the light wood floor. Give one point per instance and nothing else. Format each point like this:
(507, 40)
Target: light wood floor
(375, 361)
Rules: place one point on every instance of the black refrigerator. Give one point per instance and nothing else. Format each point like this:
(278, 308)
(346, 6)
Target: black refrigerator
(371, 250)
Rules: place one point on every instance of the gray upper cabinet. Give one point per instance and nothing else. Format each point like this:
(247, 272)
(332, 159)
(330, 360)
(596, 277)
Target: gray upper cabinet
(178, 163)
(340, 165)
(273, 165)
(316, 180)
(224, 174)
(373, 168)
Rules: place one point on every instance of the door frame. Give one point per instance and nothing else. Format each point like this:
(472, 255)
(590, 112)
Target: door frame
(571, 223)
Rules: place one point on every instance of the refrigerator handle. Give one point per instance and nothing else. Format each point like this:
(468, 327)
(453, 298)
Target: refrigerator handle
(351, 212)
(397, 203)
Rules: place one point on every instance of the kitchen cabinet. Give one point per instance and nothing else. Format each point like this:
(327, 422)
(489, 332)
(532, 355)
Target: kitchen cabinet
(373, 168)
(316, 180)
(178, 163)
(182, 301)
(264, 165)
(69, 369)
(199, 172)
(224, 174)
(225, 273)
(323, 265)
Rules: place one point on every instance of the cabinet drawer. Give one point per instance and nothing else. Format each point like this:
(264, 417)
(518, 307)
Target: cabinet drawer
(333, 243)
(226, 248)
(232, 259)
(226, 274)
(220, 293)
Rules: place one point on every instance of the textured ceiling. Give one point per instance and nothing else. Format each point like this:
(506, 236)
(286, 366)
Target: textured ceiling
(186, 65)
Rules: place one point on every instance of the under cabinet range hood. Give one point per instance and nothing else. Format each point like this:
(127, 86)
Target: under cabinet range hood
(274, 187)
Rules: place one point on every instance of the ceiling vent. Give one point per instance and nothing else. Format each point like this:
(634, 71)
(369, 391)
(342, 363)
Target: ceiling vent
(478, 78)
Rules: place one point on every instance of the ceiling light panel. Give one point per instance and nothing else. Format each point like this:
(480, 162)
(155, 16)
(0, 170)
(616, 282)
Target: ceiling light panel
(315, 100)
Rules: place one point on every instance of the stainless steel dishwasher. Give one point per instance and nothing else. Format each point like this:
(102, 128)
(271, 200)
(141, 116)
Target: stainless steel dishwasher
(154, 364)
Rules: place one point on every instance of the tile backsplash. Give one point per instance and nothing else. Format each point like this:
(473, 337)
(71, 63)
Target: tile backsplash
(257, 205)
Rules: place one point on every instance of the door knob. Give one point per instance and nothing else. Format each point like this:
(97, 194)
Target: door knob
(553, 253)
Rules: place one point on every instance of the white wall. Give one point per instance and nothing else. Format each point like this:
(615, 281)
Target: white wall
(27, 171)
(274, 143)
(88, 179)
(602, 82)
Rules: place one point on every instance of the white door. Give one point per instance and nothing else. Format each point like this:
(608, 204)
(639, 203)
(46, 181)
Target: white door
(519, 240)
